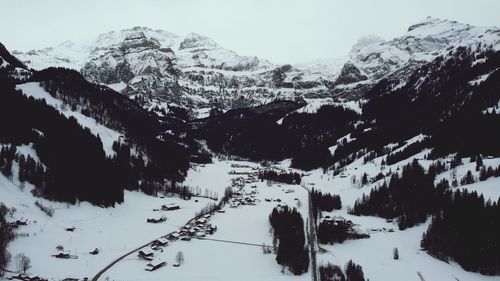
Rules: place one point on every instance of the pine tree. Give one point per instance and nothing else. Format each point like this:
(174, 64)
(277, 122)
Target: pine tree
(479, 162)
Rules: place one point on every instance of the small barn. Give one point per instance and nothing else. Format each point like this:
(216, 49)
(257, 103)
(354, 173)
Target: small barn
(201, 221)
(146, 254)
(161, 242)
(156, 220)
(154, 265)
(170, 207)
(62, 256)
(174, 236)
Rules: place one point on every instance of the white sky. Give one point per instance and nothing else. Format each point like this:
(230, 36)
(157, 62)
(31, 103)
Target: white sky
(283, 31)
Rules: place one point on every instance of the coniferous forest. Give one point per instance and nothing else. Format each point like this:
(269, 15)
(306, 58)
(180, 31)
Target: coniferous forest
(325, 201)
(409, 198)
(464, 227)
(289, 178)
(75, 166)
(331, 272)
(5, 236)
(466, 230)
(289, 237)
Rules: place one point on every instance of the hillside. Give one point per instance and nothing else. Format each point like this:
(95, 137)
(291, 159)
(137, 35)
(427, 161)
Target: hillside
(148, 144)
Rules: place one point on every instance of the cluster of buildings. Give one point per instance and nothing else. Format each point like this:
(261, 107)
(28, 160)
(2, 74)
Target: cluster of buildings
(336, 220)
(148, 254)
(166, 207)
(239, 182)
(243, 198)
(197, 228)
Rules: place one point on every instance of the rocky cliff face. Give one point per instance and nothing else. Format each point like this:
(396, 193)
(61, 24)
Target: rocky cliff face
(157, 67)
(160, 69)
(373, 59)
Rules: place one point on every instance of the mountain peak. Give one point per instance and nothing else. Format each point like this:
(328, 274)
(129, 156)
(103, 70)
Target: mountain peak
(435, 26)
(366, 41)
(425, 23)
(195, 40)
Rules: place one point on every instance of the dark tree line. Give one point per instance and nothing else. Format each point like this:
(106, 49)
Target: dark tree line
(312, 157)
(444, 106)
(75, 167)
(466, 230)
(333, 232)
(485, 173)
(30, 171)
(405, 153)
(324, 202)
(288, 234)
(5, 236)
(409, 198)
(331, 272)
(254, 134)
(7, 156)
(289, 178)
(118, 112)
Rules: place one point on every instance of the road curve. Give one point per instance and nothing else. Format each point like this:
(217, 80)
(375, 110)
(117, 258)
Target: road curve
(100, 273)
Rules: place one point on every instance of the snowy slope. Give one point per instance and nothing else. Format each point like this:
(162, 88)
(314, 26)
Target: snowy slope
(118, 230)
(67, 54)
(192, 71)
(108, 136)
(372, 58)
(113, 230)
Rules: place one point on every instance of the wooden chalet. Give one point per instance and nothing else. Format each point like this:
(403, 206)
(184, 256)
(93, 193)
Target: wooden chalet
(154, 265)
(146, 254)
(170, 207)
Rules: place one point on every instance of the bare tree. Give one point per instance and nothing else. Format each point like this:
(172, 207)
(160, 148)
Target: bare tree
(11, 211)
(23, 262)
(179, 258)
(353, 179)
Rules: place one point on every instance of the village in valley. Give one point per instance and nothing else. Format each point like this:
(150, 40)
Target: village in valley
(181, 230)
(214, 227)
(221, 230)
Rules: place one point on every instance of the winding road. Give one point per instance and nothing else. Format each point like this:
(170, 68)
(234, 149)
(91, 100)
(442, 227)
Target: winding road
(100, 273)
(313, 243)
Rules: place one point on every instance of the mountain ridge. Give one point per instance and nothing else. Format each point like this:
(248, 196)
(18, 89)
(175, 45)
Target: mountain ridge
(157, 67)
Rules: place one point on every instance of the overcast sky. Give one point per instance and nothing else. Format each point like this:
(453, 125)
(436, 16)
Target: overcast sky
(283, 31)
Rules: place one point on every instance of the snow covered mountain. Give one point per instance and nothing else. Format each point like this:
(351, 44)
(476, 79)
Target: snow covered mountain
(373, 59)
(157, 67)
(394, 166)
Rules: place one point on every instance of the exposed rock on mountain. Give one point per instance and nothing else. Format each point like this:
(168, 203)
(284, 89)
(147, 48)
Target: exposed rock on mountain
(161, 69)
(396, 59)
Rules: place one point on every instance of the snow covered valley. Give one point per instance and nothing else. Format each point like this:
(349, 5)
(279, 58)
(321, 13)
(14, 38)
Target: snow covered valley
(234, 251)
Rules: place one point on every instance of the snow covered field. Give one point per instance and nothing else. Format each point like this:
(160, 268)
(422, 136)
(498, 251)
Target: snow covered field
(114, 231)
(217, 260)
(118, 230)
(375, 254)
